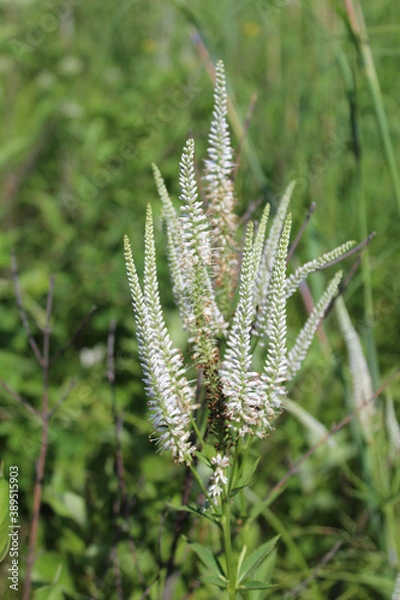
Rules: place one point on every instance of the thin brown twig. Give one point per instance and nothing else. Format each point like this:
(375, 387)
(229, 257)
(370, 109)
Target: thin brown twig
(121, 506)
(74, 336)
(182, 515)
(118, 459)
(117, 573)
(249, 212)
(41, 463)
(47, 328)
(22, 313)
(117, 417)
(19, 398)
(44, 414)
(350, 252)
(293, 247)
(323, 562)
(342, 287)
(306, 294)
(110, 355)
(352, 18)
(307, 298)
(148, 589)
(203, 52)
(181, 519)
(309, 303)
(62, 398)
(345, 283)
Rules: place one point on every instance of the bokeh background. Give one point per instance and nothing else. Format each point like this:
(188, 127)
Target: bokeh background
(91, 94)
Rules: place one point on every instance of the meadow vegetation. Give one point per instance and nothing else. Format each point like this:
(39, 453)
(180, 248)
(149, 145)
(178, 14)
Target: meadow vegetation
(92, 94)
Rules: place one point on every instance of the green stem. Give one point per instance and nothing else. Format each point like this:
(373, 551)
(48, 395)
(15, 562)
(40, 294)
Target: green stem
(227, 543)
(201, 485)
(235, 466)
(391, 535)
(363, 218)
(381, 479)
(199, 437)
(357, 23)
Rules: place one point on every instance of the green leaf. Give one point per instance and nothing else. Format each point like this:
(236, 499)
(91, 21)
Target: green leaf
(255, 559)
(208, 559)
(246, 477)
(256, 585)
(391, 500)
(201, 456)
(218, 581)
(241, 558)
(194, 511)
(51, 568)
(49, 592)
(67, 504)
(4, 542)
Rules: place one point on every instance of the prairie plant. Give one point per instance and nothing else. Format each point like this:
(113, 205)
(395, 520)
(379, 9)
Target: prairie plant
(378, 433)
(233, 305)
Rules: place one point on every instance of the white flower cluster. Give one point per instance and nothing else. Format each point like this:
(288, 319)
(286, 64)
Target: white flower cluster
(247, 407)
(196, 256)
(362, 381)
(170, 396)
(219, 478)
(219, 190)
(204, 264)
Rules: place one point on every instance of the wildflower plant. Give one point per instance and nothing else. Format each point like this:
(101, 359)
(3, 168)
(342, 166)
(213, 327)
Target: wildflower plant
(233, 300)
(378, 433)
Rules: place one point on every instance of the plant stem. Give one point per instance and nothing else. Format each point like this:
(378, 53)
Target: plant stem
(37, 501)
(227, 543)
(391, 538)
(41, 464)
(358, 26)
(199, 481)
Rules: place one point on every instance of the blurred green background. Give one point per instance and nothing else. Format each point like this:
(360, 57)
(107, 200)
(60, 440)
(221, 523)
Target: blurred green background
(91, 94)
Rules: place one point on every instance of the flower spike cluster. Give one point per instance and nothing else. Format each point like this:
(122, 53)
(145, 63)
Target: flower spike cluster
(227, 304)
(248, 408)
(173, 243)
(362, 381)
(298, 353)
(275, 372)
(269, 253)
(170, 397)
(196, 246)
(220, 197)
(219, 479)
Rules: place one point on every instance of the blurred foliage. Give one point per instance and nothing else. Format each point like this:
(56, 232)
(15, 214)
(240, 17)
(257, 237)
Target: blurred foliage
(92, 93)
